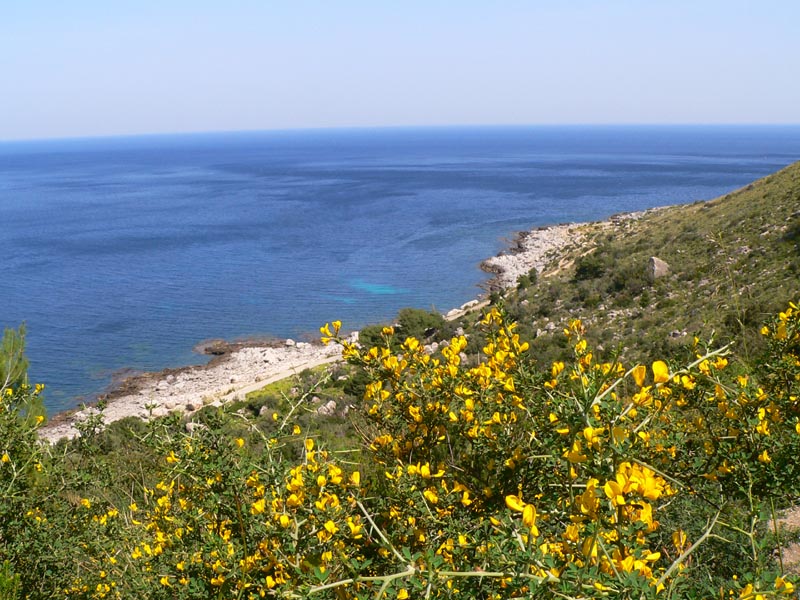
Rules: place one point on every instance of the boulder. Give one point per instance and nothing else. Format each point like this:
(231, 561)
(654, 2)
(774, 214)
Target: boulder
(656, 268)
(327, 409)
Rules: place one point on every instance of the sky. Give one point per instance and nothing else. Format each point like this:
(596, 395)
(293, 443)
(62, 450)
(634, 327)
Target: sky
(119, 67)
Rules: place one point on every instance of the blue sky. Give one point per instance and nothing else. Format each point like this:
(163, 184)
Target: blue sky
(84, 68)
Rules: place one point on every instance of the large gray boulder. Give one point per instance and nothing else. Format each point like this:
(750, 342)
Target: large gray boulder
(656, 268)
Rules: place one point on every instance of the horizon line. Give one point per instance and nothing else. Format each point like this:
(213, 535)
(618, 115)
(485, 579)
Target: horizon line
(334, 128)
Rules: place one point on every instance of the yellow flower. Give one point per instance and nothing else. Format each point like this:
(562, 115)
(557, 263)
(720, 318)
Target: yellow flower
(764, 458)
(783, 586)
(6, 458)
(258, 507)
(402, 594)
(750, 593)
(660, 371)
(239, 442)
(575, 454)
(680, 540)
(431, 495)
(331, 527)
(615, 491)
(86, 503)
(296, 430)
(639, 372)
(592, 436)
(515, 503)
(529, 518)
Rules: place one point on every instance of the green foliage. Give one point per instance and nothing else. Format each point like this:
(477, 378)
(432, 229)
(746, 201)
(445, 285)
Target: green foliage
(590, 266)
(10, 585)
(13, 364)
(527, 280)
(411, 322)
(487, 478)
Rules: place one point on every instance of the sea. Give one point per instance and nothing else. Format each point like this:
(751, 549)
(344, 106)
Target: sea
(121, 254)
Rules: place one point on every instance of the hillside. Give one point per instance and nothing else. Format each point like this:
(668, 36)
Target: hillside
(732, 262)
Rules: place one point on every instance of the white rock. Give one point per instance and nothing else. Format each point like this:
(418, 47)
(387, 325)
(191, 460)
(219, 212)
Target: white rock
(327, 409)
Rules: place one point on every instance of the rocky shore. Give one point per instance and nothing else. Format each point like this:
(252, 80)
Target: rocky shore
(543, 248)
(535, 249)
(238, 369)
(231, 375)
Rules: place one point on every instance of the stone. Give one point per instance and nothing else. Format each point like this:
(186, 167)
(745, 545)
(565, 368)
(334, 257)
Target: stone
(327, 409)
(290, 343)
(657, 268)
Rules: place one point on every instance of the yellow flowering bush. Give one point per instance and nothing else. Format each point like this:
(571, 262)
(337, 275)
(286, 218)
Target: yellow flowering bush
(588, 478)
(479, 477)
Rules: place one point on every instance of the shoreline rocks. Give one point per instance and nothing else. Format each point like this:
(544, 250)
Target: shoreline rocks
(534, 249)
(227, 377)
(237, 368)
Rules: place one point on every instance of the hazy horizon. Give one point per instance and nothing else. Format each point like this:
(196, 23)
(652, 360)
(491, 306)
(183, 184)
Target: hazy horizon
(378, 128)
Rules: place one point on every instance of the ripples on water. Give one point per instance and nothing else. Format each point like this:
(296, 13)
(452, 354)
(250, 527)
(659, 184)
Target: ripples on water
(126, 252)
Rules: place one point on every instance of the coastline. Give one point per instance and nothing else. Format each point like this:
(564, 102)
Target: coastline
(229, 376)
(239, 368)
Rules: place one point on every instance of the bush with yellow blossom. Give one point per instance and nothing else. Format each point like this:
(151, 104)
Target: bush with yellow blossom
(491, 478)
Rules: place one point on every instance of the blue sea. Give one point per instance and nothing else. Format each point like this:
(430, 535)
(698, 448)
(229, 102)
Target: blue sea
(124, 253)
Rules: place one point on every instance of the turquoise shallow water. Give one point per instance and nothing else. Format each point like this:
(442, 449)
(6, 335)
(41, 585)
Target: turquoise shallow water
(126, 252)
